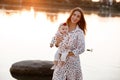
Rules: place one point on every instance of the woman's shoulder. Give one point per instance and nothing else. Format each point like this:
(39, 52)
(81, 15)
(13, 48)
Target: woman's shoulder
(79, 30)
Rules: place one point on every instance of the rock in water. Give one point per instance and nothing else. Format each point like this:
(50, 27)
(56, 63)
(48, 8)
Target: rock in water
(32, 70)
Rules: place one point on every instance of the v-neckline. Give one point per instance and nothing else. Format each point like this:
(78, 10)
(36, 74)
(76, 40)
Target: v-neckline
(73, 30)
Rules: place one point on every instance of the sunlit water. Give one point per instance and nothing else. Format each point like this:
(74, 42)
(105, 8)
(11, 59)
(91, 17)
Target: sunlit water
(25, 35)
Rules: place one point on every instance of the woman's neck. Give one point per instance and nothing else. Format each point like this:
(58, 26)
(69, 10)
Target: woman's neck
(72, 27)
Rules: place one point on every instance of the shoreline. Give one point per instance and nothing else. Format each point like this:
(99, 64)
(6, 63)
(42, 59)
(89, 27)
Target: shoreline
(62, 6)
(99, 12)
(57, 4)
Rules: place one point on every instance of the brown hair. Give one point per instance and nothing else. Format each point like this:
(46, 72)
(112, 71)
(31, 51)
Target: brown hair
(82, 22)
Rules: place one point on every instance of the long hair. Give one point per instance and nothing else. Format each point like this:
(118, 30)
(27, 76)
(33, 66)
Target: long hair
(81, 23)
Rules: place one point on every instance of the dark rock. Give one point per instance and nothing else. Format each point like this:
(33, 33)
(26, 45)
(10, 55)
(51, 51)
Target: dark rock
(32, 70)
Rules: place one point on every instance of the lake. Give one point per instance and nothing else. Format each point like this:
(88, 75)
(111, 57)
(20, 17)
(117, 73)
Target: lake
(25, 35)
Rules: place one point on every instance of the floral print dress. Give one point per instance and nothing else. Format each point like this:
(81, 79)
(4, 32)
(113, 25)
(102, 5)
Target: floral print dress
(71, 70)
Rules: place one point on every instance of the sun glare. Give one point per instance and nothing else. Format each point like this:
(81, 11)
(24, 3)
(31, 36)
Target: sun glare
(117, 0)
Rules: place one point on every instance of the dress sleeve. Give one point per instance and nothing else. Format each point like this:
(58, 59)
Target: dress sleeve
(53, 40)
(80, 46)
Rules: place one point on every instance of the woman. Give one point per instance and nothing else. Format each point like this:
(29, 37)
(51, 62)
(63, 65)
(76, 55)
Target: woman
(71, 70)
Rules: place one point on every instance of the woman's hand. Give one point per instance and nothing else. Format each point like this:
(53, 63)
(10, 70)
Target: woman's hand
(70, 54)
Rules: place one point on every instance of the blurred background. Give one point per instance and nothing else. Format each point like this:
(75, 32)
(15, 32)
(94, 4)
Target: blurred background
(27, 27)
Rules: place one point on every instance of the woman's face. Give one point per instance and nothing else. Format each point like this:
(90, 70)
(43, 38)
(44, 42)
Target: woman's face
(75, 17)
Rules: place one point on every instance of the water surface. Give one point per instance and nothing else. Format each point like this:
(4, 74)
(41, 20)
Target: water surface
(25, 35)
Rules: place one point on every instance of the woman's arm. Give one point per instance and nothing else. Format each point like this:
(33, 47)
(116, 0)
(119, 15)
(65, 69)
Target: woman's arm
(80, 44)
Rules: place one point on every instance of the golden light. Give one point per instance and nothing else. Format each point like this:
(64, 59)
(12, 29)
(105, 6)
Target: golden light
(117, 0)
(99, 0)
(95, 0)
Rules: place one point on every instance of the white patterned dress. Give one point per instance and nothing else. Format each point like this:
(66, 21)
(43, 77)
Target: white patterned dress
(72, 69)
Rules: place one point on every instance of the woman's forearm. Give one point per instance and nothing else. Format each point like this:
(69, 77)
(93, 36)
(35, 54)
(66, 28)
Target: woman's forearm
(58, 40)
